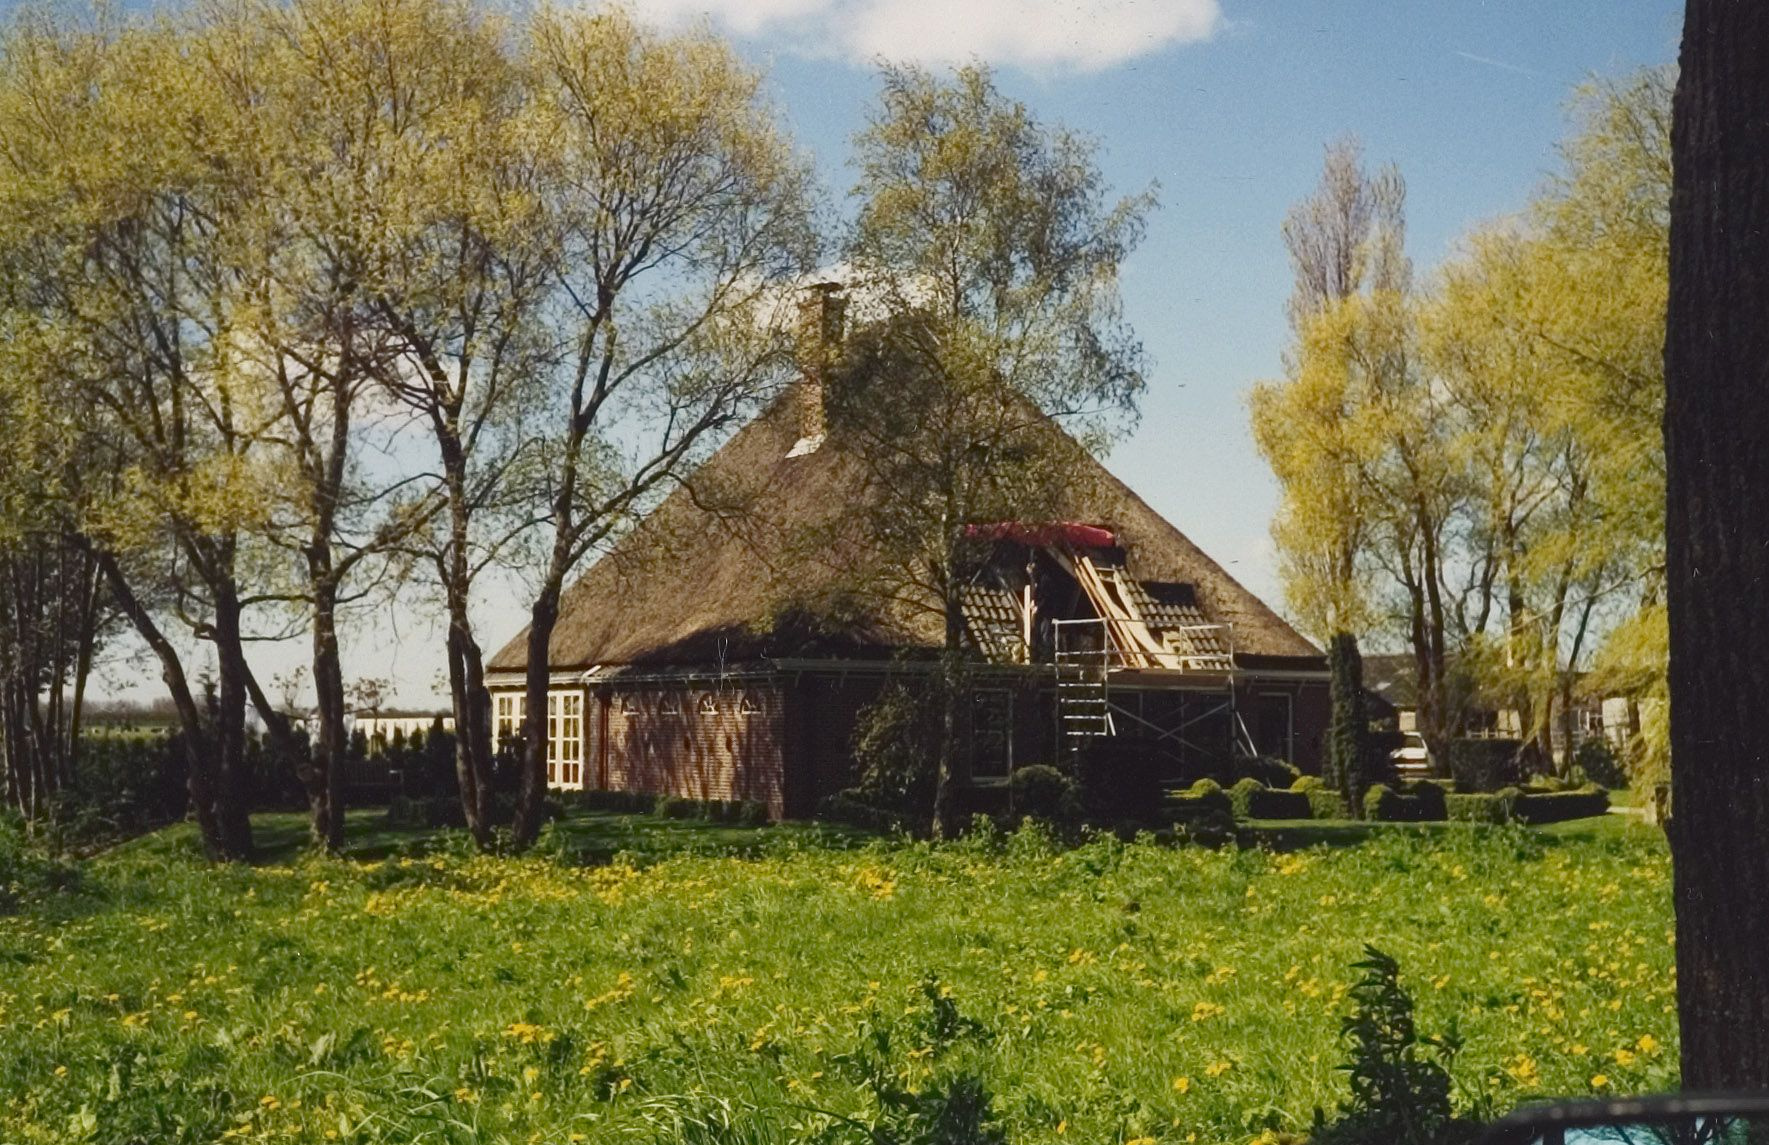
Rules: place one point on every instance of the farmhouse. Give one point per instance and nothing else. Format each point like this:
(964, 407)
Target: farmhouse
(709, 654)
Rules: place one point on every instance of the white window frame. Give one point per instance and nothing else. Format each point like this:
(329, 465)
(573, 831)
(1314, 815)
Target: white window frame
(565, 739)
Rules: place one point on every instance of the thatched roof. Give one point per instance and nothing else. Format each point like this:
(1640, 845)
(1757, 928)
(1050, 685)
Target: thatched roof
(720, 572)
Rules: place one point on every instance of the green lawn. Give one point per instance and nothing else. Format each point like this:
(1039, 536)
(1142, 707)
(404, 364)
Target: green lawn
(1109, 993)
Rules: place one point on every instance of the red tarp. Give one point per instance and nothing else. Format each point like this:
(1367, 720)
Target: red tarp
(1043, 533)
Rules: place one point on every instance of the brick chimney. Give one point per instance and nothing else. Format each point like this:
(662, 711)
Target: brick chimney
(822, 307)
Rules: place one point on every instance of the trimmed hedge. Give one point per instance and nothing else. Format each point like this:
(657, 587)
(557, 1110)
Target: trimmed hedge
(1268, 770)
(1203, 797)
(1416, 803)
(1325, 803)
(1559, 806)
(1270, 803)
(748, 812)
(1495, 807)
(618, 802)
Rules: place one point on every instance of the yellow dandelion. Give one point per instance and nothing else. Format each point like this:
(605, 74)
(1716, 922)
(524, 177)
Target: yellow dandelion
(1182, 1084)
(1599, 1080)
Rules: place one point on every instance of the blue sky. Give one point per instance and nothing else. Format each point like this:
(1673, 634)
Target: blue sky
(1227, 104)
(1468, 99)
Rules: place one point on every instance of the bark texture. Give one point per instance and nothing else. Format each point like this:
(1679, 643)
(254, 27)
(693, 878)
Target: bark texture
(1717, 524)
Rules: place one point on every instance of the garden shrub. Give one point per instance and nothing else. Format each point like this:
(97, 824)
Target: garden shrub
(895, 746)
(1600, 763)
(1483, 764)
(851, 807)
(1559, 806)
(752, 813)
(1043, 792)
(1270, 803)
(1240, 796)
(1324, 803)
(618, 802)
(677, 807)
(1418, 803)
(1484, 807)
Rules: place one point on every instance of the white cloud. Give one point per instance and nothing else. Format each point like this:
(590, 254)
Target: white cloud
(1078, 35)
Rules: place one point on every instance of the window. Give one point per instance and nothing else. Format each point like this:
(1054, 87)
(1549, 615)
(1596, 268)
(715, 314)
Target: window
(991, 733)
(669, 704)
(748, 707)
(707, 705)
(509, 718)
(565, 739)
(629, 705)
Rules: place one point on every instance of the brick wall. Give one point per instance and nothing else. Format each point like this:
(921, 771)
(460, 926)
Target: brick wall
(691, 741)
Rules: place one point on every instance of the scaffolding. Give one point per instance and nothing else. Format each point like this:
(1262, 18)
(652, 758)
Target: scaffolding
(1101, 690)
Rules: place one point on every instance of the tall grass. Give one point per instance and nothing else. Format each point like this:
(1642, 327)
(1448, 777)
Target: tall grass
(1111, 993)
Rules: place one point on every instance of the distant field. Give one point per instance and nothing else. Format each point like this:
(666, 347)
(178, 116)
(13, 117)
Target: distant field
(1110, 993)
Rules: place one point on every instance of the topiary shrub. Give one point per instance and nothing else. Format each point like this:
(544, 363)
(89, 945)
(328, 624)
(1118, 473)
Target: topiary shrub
(1240, 796)
(1043, 792)
(1483, 764)
(753, 813)
(1324, 803)
(1269, 803)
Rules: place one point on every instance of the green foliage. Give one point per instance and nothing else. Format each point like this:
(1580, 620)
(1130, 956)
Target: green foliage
(1483, 764)
(1240, 796)
(1043, 792)
(1273, 803)
(895, 746)
(1348, 727)
(1486, 807)
(1415, 803)
(1268, 770)
(1400, 1079)
(624, 802)
(1559, 806)
(1598, 762)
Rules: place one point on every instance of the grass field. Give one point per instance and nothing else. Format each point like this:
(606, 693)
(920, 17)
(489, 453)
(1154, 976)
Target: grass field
(1110, 993)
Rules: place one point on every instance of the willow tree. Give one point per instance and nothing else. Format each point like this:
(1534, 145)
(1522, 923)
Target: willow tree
(1343, 241)
(374, 132)
(118, 227)
(677, 209)
(988, 251)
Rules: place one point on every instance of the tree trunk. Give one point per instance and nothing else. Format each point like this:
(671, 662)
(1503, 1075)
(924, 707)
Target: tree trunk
(953, 775)
(1717, 541)
(472, 708)
(232, 789)
(533, 780)
(329, 748)
(199, 761)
